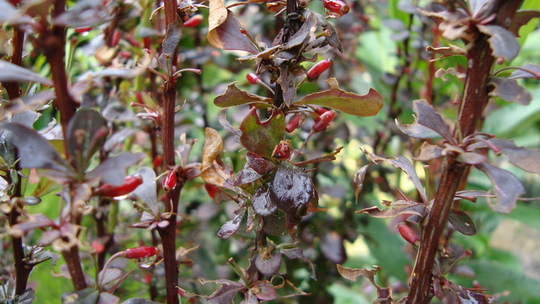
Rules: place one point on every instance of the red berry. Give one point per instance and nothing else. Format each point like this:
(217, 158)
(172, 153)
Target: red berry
(157, 161)
(211, 190)
(283, 150)
(252, 78)
(170, 180)
(318, 69)
(320, 111)
(81, 30)
(140, 252)
(408, 234)
(115, 38)
(335, 8)
(323, 122)
(131, 182)
(147, 42)
(295, 122)
(193, 21)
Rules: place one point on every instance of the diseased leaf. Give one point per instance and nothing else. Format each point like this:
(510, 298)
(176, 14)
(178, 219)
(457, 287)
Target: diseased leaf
(233, 96)
(261, 202)
(230, 227)
(426, 118)
(462, 222)
(429, 152)
(12, 72)
(225, 32)
(524, 158)
(358, 181)
(113, 170)
(259, 137)
(397, 208)
(401, 162)
(534, 68)
(36, 152)
(226, 292)
(503, 43)
(507, 187)
(347, 102)
(292, 189)
(510, 90)
(86, 134)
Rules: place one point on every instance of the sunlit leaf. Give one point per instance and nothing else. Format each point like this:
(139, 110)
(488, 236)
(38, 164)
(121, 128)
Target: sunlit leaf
(510, 90)
(507, 187)
(426, 118)
(503, 43)
(233, 96)
(462, 222)
(259, 137)
(13, 72)
(348, 102)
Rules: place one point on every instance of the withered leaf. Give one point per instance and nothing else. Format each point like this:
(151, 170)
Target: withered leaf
(352, 273)
(225, 32)
(396, 208)
(358, 181)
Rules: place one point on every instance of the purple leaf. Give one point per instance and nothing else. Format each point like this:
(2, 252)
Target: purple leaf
(268, 264)
(233, 96)
(462, 222)
(503, 43)
(38, 220)
(478, 8)
(509, 90)
(332, 247)
(426, 118)
(521, 18)
(472, 158)
(86, 134)
(534, 68)
(524, 158)
(291, 190)
(266, 292)
(245, 176)
(429, 152)
(348, 102)
(259, 137)
(12, 72)
(230, 227)
(146, 192)
(401, 162)
(113, 170)
(274, 224)
(225, 32)
(260, 164)
(261, 202)
(507, 187)
(226, 292)
(294, 252)
(84, 13)
(358, 181)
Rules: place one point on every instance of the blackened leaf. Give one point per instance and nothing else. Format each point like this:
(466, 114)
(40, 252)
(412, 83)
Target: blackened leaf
(261, 202)
(233, 96)
(147, 190)
(260, 164)
(291, 190)
(230, 227)
(524, 158)
(397, 208)
(86, 133)
(84, 13)
(13, 72)
(225, 32)
(348, 102)
(503, 43)
(226, 292)
(462, 222)
(332, 247)
(113, 170)
(259, 137)
(510, 90)
(521, 18)
(270, 265)
(426, 117)
(429, 152)
(534, 68)
(507, 187)
(35, 151)
(405, 165)
(358, 181)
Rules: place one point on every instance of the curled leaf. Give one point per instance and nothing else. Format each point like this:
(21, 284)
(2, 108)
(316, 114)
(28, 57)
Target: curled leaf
(224, 31)
(427, 123)
(358, 181)
(347, 102)
(233, 96)
(397, 208)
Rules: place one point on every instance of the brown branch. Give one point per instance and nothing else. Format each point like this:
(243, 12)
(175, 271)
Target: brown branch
(474, 101)
(12, 88)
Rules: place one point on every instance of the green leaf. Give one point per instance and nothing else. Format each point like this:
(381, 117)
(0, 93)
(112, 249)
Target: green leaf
(259, 137)
(348, 102)
(233, 96)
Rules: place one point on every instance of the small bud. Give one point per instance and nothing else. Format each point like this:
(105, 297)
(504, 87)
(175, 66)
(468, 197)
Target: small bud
(324, 120)
(295, 122)
(140, 252)
(318, 69)
(253, 78)
(408, 234)
(131, 182)
(193, 21)
(170, 180)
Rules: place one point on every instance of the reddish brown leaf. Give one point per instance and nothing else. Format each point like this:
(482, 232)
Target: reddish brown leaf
(233, 96)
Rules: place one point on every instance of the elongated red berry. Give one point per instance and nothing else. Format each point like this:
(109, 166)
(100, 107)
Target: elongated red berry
(335, 8)
(320, 111)
(324, 120)
(170, 180)
(193, 21)
(147, 42)
(211, 190)
(115, 38)
(318, 69)
(295, 122)
(140, 252)
(252, 78)
(131, 182)
(408, 234)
